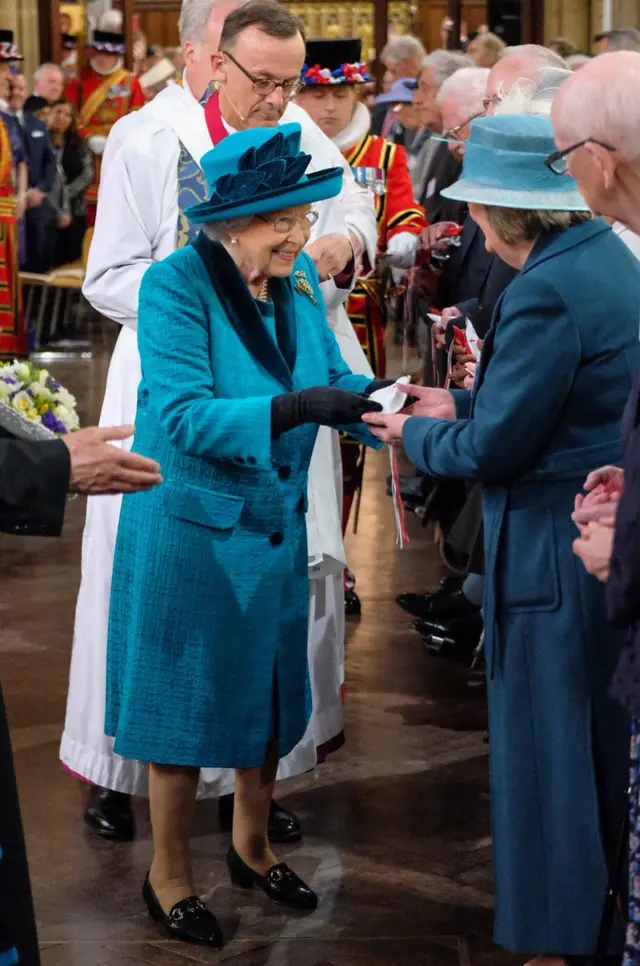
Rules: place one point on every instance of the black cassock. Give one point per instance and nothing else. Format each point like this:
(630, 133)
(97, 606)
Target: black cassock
(33, 484)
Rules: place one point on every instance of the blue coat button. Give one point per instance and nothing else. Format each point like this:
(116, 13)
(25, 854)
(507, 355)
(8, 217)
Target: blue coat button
(284, 472)
(276, 538)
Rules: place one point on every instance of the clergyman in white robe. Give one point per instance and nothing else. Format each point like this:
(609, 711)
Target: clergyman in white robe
(137, 224)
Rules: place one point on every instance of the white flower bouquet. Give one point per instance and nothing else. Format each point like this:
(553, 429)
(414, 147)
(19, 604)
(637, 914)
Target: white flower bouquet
(33, 405)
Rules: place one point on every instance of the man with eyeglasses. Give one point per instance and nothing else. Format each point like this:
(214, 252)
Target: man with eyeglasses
(595, 123)
(252, 54)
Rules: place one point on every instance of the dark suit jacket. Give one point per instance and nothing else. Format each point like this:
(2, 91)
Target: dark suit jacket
(40, 154)
(378, 115)
(34, 477)
(623, 587)
(443, 171)
(33, 484)
(40, 222)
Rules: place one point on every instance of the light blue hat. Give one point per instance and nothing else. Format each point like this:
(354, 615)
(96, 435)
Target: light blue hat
(401, 92)
(259, 170)
(504, 166)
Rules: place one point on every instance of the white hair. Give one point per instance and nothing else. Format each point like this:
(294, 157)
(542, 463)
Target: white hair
(194, 16)
(467, 86)
(402, 47)
(219, 231)
(605, 109)
(45, 69)
(540, 56)
(534, 97)
(444, 63)
(621, 38)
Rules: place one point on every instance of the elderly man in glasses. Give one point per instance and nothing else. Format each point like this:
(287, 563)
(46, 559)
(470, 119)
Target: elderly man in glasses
(595, 122)
(151, 173)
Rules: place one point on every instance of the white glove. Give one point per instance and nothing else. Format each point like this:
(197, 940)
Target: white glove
(97, 143)
(401, 250)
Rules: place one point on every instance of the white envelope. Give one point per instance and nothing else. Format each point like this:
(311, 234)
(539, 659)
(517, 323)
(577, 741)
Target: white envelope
(391, 399)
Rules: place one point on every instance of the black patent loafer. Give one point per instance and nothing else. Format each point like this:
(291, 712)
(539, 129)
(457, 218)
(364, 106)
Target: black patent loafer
(189, 920)
(110, 814)
(284, 826)
(280, 884)
(352, 605)
(445, 604)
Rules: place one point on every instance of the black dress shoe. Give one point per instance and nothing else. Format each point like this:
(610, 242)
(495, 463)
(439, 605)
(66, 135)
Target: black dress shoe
(446, 603)
(284, 827)
(280, 884)
(459, 628)
(352, 605)
(456, 640)
(189, 920)
(110, 814)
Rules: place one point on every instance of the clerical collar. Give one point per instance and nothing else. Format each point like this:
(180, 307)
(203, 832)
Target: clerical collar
(105, 73)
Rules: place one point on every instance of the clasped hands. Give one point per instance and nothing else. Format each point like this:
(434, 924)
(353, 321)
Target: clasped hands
(436, 403)
(595, 516)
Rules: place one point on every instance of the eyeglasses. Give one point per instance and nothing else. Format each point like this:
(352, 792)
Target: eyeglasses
(454, 132)
(263, 86)
(558, 162)
(286, 223)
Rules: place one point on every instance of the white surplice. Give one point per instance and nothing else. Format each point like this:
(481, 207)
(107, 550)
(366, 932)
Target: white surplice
(136, 225)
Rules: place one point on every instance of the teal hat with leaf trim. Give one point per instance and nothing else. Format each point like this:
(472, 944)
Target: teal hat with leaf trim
(261, 170)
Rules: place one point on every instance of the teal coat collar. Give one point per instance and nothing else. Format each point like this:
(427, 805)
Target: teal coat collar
(279, 358)
(553, 243)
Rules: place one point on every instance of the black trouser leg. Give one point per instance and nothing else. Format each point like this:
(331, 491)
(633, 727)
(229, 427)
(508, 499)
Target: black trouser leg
(17, 920)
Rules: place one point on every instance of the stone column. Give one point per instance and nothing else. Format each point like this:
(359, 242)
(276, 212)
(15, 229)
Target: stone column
(570, 19)
(626, 13)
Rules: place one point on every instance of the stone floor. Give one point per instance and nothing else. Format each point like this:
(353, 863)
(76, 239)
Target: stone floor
(397, 824)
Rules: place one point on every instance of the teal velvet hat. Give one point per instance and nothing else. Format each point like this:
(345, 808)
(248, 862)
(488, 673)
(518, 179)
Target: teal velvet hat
(504, 166)
(260, 170)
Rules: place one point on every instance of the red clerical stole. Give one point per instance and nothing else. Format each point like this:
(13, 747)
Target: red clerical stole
(213, 117)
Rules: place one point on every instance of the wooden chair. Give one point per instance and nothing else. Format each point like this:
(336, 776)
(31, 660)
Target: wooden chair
(60, 281)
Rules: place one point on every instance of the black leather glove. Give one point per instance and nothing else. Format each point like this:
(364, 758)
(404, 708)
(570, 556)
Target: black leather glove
(376, 384)
(322, 405)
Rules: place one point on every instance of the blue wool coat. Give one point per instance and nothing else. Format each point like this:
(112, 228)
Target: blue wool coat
(555, 373)
(207, 649)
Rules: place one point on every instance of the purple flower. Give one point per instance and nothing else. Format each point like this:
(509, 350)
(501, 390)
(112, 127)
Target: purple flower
(55, 425)
(9, 379)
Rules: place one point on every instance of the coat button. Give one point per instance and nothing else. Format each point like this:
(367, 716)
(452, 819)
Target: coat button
(276, 538)
(284, 472)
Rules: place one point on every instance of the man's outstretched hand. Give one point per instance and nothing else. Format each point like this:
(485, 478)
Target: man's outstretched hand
(98, 468)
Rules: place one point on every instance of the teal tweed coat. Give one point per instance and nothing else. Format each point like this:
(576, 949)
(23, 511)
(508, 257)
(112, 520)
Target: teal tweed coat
(207, 648)
(554, 377)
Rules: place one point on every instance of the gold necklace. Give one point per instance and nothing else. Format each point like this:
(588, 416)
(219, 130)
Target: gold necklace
(263, 293)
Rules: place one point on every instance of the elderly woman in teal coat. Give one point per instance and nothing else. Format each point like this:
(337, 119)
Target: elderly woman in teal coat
(546, 406)
(207, 652)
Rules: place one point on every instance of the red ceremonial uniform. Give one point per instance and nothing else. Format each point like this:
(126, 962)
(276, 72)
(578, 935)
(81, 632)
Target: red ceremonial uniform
(13, 335)
(102, 100)
(382, 165)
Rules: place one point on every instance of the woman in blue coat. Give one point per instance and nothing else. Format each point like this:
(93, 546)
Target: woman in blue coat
(207, 651)
(554, 376)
